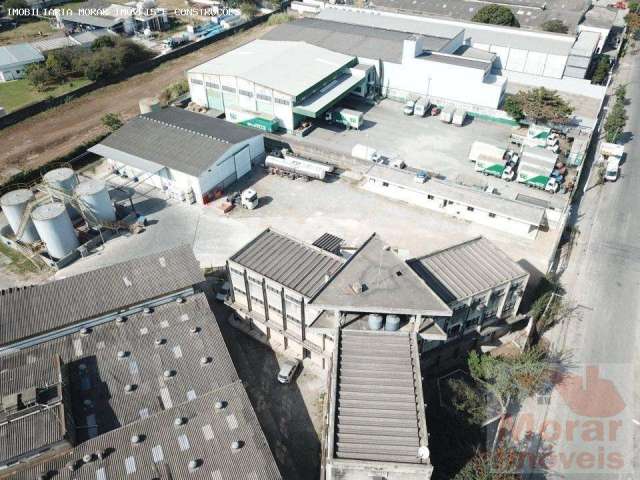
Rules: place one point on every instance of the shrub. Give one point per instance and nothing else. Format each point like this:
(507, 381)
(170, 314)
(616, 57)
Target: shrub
(555, 26)
(112, 121)
(101, 42)
(496, 15)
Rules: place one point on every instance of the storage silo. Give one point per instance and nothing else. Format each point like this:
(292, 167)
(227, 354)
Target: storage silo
(55, 229)
(149, 104)
(375, 321)
(14, 205)
(392, 323)
(61, 178)
(94, 195)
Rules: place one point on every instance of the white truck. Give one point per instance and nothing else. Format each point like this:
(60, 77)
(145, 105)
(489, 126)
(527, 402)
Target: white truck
(459, 116)
(536, 169)
(489, 159)
(446, 115)
(422, 107)
(611, 154)
(249, 199)
(363, 152)
(409, 106)
(344, 116)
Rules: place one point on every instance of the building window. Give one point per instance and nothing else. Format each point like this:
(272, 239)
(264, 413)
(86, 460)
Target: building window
(228, 89)
(470, 209)
(255, 280)
(196, 82)
(293, 299)
(236, 271)
(239, 290)
(275, 309)
(257, 300)
(281, 101)
(264, 98)
(492, 215)
(246, 93)
(212, 85)
(273, 289)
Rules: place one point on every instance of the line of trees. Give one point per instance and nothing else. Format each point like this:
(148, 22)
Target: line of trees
(107, 57)
(617, 118)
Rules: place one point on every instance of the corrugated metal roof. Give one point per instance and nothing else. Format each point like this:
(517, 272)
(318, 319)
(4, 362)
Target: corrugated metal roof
(379, 408)
(375, 279)
(97, 373)
(328, 242)
(466, 269)
(93, 20)
(19, 54)
(286, 66)
(26, 312)
(292, 263)
(172, 137)
(163, 451)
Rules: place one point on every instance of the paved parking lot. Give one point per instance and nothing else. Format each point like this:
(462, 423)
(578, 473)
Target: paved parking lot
(304, 210)
(428, 144)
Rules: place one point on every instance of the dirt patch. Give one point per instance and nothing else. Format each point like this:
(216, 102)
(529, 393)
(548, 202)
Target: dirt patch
(51, 134)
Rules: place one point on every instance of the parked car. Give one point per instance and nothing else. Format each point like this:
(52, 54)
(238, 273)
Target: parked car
(288, 371)
(398, 163)
(421, 177)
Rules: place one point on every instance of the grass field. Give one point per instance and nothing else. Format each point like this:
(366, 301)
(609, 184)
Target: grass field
(27, 32)
(19, 93)
(18, 263)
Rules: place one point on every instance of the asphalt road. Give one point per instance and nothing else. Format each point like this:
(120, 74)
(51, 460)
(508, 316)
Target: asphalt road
(600, 335)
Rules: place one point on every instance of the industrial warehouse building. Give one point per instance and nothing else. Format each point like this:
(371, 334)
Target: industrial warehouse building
(297, 295)
(276, 85)
(14, 59)
(127, 376)
(188, 155)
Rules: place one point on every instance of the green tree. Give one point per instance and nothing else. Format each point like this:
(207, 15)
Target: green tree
(541, 105)
(102, 64)
(11, 6)
(502, 464)
(496, 15)
(248, 9)
(102, 42)
(38, 75)
(513, 108)
(511, 378)
(173, 91)
(601, 71)
(555, 26)
(634, 7)
(112, 121)
(615, 123)
(128, 52)
(468, 399)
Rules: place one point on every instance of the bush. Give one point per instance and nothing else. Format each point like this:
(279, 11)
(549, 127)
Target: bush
(103, 64)
(112, 121)
(555, 26)
(173, 91)
(38, 75)
(602, 70)
(615, 122)
(496, 15)
(102, 42)
(248, 9)
(278, 18)
(513, 108)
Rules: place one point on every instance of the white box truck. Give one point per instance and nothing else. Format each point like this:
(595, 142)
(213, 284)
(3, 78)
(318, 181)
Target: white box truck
(446, 115)
(344, 116)
(422, 107)
(536, 169)
(611, 154)
(458, 117)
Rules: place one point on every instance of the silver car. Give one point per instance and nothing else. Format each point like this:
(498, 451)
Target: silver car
(288, 371)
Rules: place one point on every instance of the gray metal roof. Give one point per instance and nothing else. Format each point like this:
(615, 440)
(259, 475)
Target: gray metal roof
(328, 242)
(557, 44)
(165, 449)
(466, 269)
(172, 137)
(600, 17)
(286, 66)
(359, 41)
(93, 20)
(18, 54)
(292, 263)
(26, 312)
(459, 61)
(97, 373)
(375, 279)
(378, 400)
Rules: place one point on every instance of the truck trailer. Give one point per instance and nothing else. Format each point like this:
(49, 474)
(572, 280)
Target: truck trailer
(537, 167)
(300, 166)
(422, 107)
(344, 116)
(488, 158)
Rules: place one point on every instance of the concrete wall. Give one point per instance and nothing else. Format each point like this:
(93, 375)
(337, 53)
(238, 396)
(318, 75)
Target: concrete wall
(362, 470)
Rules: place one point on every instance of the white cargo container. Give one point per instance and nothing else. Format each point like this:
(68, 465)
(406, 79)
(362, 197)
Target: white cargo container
(422, 107)
(446, 115)
(458, 117)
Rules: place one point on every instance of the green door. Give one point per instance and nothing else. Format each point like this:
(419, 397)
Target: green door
(214, 98)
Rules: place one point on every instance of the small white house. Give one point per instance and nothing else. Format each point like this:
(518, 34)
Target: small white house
(188, 155)
(14, 60)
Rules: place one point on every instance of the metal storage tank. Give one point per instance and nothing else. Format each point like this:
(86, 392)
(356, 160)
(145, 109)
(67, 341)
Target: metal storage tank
(94, 194)
(375, 321)
(149, 104)
(55, 228)
(13, 205)
(392, 323)
(62, 178)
